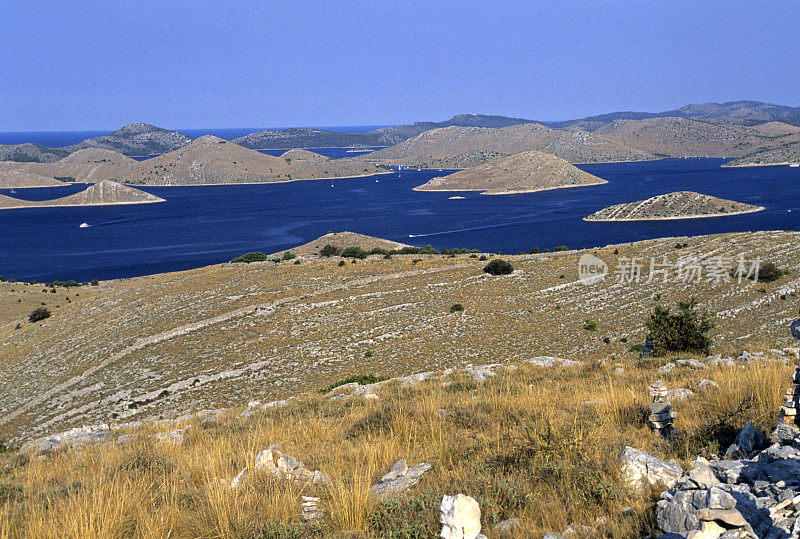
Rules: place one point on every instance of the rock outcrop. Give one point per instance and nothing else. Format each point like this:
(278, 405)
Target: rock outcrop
(677, 205)
(399, 479)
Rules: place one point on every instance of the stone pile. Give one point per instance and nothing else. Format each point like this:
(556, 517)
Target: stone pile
(274, 461)
(311, 509)
(399, 479)
(661, 413)
(788, 415)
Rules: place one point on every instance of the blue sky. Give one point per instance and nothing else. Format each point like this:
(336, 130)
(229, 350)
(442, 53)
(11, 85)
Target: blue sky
(99, 65)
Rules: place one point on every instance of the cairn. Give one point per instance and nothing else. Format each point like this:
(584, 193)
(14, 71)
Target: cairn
(790, 406)
(311, 509)
(661, 413)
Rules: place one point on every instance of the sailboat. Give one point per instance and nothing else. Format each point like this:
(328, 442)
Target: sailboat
(84, 225)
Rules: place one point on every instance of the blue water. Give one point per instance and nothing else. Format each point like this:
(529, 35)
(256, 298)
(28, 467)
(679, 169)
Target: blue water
(197, 226)
(57, 139)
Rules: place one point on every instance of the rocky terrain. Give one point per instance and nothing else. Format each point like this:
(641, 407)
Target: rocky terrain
(30, 153)
(524, 172)
(783, 155)
(677, 205)
(100, 194)
(343, 240)
(136, 139)
(462, 147)
(22, 178)
(205, 338)
(87, 166)
(681, 137)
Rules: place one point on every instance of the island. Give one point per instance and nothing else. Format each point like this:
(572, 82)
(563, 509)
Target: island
(524, 172)
(104, 193)
(677, 205)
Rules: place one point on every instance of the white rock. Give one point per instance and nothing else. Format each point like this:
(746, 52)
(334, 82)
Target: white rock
(640, 470)
(460, 516)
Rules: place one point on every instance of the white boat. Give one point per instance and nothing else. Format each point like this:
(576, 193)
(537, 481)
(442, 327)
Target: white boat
(795, 165)
(84, 225)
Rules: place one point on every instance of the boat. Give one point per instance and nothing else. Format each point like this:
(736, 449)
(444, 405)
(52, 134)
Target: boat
(794, 165)
(84, 225)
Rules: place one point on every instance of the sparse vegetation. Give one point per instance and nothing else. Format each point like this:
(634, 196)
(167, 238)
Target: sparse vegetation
(498, 267)
(39, 313)
(355, 252)
(362, 379)
(590, 325)
(251, 257)
(683, 331)
(456, 308)
(288, 255)
(329, 250)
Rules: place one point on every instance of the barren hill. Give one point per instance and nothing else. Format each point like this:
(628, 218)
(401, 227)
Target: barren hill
(776, 129)
(30, 153)
(462, 147)
(87, 165)
(22, 178)
(136, 139)
(785, 154)
(677, 205)
(222, 335)
(212, 160)
(523, 172)
(100, 194)
(343, 240)
(681, 137)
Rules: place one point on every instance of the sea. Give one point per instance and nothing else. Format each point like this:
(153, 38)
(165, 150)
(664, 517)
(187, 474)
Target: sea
(202, 225)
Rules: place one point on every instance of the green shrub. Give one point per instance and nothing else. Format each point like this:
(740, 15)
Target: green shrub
(456, 308)
(288, 255)
(368, 353)
(66, 284)
(590, 325)
(683, 331)
(561, 248)
(459, 251)
(483, 258)
(39, 313)
(354, 252)
(95, 282)
(607, 340)
(251, 257)
(362, 379)
(769, 272)
(498, 267)
(535, 251)
(342, 263)
(329, 250)
(409, 250)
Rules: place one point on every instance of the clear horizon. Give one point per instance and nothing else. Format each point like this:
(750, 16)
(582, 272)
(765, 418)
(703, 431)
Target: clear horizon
(90, 66)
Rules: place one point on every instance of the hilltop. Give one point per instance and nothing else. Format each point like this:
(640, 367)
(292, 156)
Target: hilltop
(30, 153)
(103, 193)
(462, 147)
(523, 172)
(212, 160)
(677, 205)
(343, 240)
(136, 139)
(681, 137)
(219, 336)
(88, 165)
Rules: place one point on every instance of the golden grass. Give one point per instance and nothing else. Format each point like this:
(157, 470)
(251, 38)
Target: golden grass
(538, 444)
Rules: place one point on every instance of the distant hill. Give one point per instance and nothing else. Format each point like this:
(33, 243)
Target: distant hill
(782, 155)
(29, 152)
(462, 147)
(88, 165)
(776, 129)
(136, 139)
(677, 205)
(22, 178)
(100, 194)
(343, 240)
(733, 112)
(681, 137)
(523, 172)
(212, 160)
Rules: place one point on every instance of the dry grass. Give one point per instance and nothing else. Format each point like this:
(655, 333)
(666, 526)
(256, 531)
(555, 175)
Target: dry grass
(534, 443)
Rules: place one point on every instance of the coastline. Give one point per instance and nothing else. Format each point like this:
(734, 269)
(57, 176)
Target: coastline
(24, 206)
(744, 212)
(489, 192)
(749, 165)
(257, 183)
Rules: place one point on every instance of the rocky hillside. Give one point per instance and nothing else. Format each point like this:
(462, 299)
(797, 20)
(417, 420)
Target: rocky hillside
(680, 137)
(783, 155)
(462, 147)
(524, 172)
(222, 335)
(677, 205)
(88, 165)
(136, 139)
(30, 153)
(100, 194)
(776, 129)
(212, 160)
(343, 240)
(22, 178)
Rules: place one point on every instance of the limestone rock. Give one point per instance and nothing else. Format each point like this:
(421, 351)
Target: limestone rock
(399, 482)
(641, 470)
(460, 516)
(748, 440)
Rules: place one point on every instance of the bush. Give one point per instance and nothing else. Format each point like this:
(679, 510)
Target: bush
(590, 325)
(378, 251)
(39, 313)
(769, 271)
(354, 252)
(329, 250)
(342, 263)
(251, 257)
(683, 331)
(561, 248)
(498, 267)
(460, 251)
(483, 258)
(95, 282)
(66, 284)
(288, 255)
(456, 308)
(427, 250)
(535, 251)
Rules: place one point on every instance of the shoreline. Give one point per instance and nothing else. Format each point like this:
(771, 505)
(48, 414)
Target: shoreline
(257, 183)
(22, 207)
(749, 165)
(489, 192)
(707, 216)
